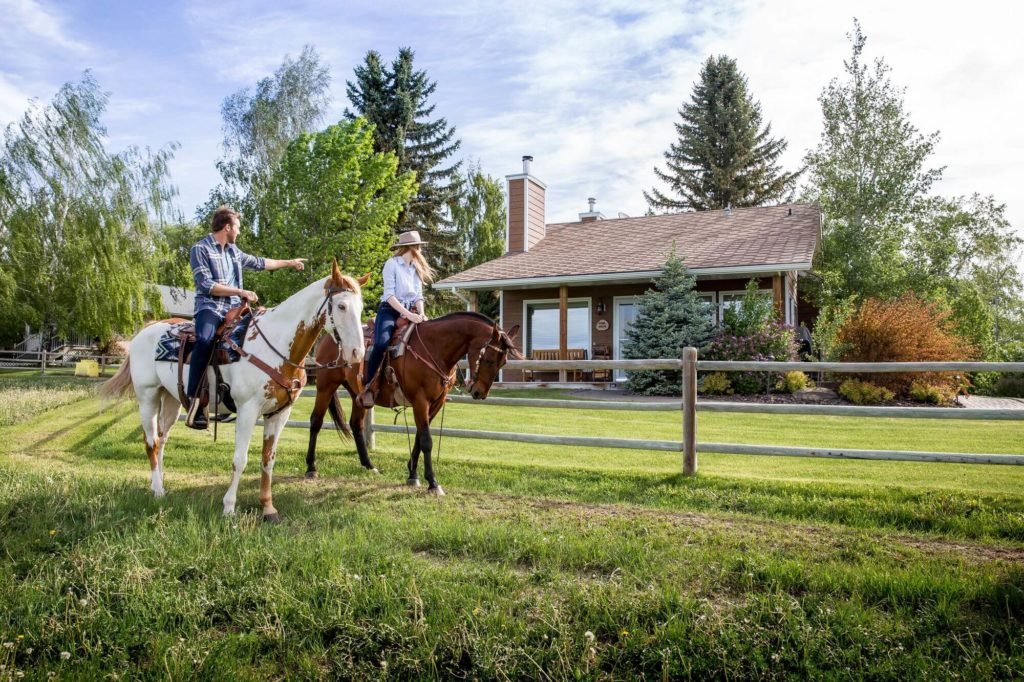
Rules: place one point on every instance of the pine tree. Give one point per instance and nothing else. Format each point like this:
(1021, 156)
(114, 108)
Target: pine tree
(670, 317)
(396, 102)
(724, 157)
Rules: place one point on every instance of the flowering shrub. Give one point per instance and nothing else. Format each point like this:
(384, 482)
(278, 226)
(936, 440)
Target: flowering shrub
(774, 342)
(924, 392)
(908, 329)
(864, 392)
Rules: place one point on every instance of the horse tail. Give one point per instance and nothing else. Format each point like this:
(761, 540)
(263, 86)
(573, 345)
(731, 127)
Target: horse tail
(120, 385)
(338, 415)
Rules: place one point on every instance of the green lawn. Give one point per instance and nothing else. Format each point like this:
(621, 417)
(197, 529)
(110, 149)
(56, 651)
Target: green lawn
(542, 562)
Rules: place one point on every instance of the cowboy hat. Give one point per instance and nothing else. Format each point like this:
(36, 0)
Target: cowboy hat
(410, 238)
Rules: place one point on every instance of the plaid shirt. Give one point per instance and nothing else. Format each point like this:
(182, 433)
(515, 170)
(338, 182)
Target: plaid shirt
(209, 268)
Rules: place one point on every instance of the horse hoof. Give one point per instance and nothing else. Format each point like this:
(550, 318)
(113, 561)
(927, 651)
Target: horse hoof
(312, 474)
(413, 482)
(436, 491)
(274, 518)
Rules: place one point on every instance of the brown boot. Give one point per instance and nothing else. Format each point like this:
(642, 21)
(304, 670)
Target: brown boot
(367, 397)
(198, 417)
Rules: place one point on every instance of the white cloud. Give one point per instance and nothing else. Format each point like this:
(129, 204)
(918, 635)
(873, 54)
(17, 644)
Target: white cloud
(28, 19)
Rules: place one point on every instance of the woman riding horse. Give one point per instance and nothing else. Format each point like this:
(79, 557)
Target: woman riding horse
(423, 375)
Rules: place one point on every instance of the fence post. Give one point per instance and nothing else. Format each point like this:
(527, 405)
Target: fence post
(368, 433)
(42, 363)
(103, 365)
(689, 411)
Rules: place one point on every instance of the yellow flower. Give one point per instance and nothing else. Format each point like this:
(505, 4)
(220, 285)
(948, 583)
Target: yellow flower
(53, 531)
(624, 633)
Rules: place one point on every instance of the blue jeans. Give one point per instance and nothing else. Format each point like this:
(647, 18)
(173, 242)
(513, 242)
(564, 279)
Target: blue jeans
(385, 325)
(206, 322)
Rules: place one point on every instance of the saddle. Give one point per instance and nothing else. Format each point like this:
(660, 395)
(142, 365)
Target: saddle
(230, 334)
(388, 389)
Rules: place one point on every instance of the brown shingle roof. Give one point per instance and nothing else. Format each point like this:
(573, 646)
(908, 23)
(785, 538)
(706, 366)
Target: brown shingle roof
(767, 235)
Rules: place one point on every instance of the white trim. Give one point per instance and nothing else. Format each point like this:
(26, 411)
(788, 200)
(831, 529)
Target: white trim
(501, 322)
(598, 278)
(619, 374)
(575, 299)
(714, 304)
(526, 176)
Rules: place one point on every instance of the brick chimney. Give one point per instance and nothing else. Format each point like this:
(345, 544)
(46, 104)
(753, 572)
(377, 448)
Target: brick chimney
(592, 214)
(525, 210)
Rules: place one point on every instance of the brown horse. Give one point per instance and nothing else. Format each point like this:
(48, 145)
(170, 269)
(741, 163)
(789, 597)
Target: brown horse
(424, 373)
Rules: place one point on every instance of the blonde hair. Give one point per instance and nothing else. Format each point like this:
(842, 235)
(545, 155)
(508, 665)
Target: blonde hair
(419, 262)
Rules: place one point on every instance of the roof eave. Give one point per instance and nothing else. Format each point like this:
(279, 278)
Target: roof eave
(618, 277)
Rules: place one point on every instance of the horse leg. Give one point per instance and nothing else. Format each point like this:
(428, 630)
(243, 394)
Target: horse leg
(271, 433)
(357, 424)
(169, 407)
(425, 442)
(414, 460)
(149, 409)
(244, 426)
(324, 394)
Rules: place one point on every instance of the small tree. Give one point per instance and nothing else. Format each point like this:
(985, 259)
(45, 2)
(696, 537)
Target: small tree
(754, 313)
(670, 317)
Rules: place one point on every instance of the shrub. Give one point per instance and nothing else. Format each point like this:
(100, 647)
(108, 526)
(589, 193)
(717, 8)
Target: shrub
(908, 329)
(716, 383)
(1010, 386)
(864, 393)
(774, 342)
(792, 382)
(929, 393)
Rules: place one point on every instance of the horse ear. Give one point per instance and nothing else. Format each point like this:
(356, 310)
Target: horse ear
(496, 333)
(513, 333)
(336, 272)
(364, 279)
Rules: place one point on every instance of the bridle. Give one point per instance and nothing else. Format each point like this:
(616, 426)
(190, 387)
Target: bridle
(501, 356)
(328, 302)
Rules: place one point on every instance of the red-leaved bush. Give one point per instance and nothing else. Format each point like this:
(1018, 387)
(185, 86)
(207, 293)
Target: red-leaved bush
(908, 329)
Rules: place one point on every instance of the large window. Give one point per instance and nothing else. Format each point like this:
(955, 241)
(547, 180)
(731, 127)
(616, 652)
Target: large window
(542, 325)
(733, 299)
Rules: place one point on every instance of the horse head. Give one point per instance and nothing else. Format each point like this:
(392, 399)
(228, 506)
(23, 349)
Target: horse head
(344, 303)
(492, 358)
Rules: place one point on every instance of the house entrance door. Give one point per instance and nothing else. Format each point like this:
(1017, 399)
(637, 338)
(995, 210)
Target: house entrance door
(625, 315)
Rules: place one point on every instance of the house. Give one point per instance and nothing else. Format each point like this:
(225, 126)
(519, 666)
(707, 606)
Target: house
(575, 285)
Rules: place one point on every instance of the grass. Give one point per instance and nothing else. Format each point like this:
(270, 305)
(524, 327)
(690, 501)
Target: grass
(542, 562)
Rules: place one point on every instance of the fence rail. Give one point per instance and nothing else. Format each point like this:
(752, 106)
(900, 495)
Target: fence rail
(689, 406)
(44, 360)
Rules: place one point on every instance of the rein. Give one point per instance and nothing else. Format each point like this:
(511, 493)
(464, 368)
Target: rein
(293, 386)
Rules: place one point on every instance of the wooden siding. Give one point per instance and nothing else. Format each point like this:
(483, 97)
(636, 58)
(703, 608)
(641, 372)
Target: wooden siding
(515, 215)
(536, 214)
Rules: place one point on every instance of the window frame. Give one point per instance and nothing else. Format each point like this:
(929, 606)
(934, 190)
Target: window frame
(528, 330)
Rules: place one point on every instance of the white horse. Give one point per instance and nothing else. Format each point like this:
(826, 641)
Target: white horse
(265, 382)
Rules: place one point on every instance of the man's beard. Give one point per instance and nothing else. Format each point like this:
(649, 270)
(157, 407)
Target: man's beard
(232, 238)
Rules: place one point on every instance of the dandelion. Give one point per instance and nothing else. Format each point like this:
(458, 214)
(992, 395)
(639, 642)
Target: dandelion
(28, 651)
(65, 655)
(20, 637)
(83, 602)
(53, 531)
(589, 636)
(624, 633)
(8, 645)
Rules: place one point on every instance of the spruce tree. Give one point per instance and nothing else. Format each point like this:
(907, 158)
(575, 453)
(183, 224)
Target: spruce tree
(670, 317)
(396, 101)
(724, 156)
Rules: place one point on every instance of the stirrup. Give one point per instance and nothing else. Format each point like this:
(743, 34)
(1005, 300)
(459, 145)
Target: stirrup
(196, 417)
(367, 398)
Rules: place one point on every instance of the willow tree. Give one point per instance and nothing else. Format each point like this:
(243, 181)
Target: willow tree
(80, 224)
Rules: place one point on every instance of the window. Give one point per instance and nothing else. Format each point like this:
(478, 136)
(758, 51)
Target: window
(733, 299)
(709, 298)
(542, 325)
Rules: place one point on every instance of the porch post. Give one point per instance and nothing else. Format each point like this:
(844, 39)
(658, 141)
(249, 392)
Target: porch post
(368, 433)
(563, 327)
(473, 302)
(778, 298)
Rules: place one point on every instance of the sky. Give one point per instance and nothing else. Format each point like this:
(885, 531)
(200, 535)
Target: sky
(590, 90)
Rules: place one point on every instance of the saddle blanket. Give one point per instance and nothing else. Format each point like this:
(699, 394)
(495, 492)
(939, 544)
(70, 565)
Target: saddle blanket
(169, 344)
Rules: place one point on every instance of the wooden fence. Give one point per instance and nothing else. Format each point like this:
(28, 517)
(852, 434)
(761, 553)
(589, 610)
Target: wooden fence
(689, 446)
(45, 360)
